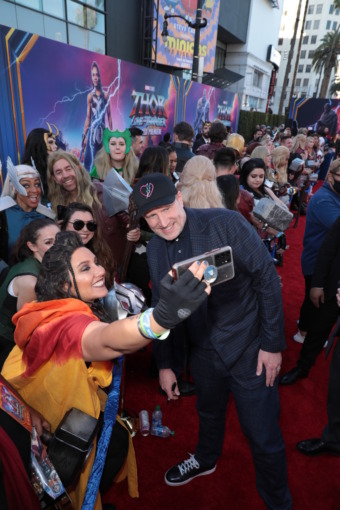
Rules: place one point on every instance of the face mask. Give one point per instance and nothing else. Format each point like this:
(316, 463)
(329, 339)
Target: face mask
(336, 186)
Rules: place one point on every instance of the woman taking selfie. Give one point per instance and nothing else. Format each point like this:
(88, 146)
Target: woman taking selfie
(65, 344)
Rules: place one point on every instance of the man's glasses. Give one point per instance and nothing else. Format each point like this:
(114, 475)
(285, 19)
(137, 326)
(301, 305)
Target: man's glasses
(80, 224)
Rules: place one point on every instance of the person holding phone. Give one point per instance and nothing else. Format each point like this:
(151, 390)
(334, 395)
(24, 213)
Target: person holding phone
(236, 336)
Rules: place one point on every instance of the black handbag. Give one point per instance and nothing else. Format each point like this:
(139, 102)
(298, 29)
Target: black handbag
(71, 444)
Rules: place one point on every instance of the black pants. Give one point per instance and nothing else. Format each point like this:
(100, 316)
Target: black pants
(258, 409)
(322, 324)
(307, 310)
(116, 455)
(331, 433)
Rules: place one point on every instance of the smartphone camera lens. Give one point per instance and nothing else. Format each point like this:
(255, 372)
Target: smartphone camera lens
(210, 274)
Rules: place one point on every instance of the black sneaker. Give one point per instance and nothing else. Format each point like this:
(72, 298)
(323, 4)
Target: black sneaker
(186, 471)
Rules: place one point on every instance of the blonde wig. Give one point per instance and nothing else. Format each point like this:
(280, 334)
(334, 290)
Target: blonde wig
(87, 193)
(299, 142)
(198, 184)
(280, 157)
(103, 165)
(262, 153)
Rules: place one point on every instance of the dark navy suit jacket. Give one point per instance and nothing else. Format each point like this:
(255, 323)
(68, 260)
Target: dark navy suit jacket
(241, 315)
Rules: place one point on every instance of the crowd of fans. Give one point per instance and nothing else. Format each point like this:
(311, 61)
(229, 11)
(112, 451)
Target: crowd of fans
(52, 191)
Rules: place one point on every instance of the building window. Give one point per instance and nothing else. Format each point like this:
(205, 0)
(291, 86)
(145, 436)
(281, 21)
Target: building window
(331, 9)
(311, 53)
(308, 68)
(80, 22)
(328, 25)
(334, 25)
(300, 68)
(220, 56)
(319, 9)
(305, 39)
(308, 25)
(298, 82)
(313, 39)
(337, 11)
(311, 9)
(305, 82)
(280, 41)
(316, 24)
(257, 78)
(303, 54)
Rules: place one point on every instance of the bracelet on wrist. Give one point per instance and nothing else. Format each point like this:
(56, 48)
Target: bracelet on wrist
(144, 327)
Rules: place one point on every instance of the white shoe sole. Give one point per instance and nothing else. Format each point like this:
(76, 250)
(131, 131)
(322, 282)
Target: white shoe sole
(177, 484)
(299, 338)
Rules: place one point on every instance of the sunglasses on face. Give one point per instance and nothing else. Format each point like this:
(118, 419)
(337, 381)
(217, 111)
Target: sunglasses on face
(80, 224)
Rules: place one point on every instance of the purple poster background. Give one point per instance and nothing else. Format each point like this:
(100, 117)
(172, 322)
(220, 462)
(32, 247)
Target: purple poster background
(43, 81)
(311, 112)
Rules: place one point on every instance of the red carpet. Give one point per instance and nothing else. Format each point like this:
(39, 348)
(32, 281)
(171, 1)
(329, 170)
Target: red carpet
(314, 482)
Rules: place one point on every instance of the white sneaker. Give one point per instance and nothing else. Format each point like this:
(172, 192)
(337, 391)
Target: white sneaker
(299, 338)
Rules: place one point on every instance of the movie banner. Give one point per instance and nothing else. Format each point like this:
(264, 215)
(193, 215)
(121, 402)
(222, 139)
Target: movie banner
(45, 83)
(316, 113)
(205, 103)
(178, 50)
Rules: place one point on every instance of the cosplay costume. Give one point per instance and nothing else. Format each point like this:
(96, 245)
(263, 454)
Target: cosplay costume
(113, 227)
(12, 217)
(48, 370)
(106, 139)
(96, 128)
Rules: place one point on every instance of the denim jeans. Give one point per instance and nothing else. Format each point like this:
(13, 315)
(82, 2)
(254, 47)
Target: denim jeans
(258, 409)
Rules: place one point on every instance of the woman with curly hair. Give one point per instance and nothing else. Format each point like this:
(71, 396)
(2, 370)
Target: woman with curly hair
(66, 345)
(116, 153)
(198, 186)
(81, 219)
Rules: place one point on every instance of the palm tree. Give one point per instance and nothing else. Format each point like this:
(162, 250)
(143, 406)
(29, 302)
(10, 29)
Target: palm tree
(334, 88)
(290, 56)
(325, 56)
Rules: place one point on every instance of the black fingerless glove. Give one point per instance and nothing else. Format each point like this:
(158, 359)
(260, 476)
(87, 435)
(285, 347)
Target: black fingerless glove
(178, 299)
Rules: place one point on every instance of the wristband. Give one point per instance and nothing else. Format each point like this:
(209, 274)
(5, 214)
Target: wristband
(144, 327)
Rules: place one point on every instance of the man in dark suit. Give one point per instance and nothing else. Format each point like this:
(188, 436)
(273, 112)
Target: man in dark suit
(236, 337)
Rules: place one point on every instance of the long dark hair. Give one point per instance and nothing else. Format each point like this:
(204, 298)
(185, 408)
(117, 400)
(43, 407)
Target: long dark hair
(56, 273)
(29, 233)
(153, 159)
(97, 244)
(230, 189)
(54, 281)
(247, 168)
(35, 148)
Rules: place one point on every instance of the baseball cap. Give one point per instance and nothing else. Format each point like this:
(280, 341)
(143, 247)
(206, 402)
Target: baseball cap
(153, 190)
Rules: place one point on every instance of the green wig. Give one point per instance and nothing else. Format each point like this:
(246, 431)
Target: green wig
(107, 135)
